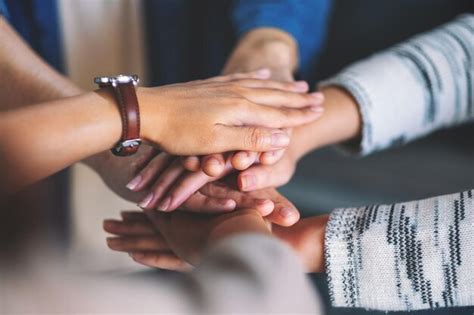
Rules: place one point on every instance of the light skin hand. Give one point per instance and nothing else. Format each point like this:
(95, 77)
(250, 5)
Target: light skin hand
(177, 187)
(136, 235)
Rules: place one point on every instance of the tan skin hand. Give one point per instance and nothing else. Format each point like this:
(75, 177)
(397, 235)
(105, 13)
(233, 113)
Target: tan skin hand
(224, 111)
(218, 114)
(137, 235)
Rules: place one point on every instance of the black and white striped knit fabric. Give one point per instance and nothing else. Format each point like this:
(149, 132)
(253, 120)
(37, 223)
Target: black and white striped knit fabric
(419, 254)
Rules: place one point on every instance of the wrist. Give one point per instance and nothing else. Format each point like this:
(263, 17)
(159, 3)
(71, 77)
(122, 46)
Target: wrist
(264, 47)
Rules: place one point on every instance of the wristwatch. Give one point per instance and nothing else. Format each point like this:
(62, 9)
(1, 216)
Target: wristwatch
(123, 87)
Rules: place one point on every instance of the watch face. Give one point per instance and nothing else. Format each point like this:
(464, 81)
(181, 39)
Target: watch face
(119, 79)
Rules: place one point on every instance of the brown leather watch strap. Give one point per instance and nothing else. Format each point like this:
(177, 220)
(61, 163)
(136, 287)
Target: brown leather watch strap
(127, 101)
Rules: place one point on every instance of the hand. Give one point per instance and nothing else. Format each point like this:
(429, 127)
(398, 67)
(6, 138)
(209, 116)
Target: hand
(220, 114)
(136, 235)
(193, 191)
(116, 171)
(169, 186)
(185, 235)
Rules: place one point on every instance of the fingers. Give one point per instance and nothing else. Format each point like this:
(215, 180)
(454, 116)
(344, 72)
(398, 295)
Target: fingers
(282, 98)
(137, 243)
(133, 216)
(298, 86)
(191, 163)
(184, 188)
(213, 164)
(229, 138)
(282, 117)
(162, 184)
(261, 74)
(200, 203)
(128, 228)
(189, 183)
(243, 200)
(146, 176)
(262, 176)
(244, 159)
(285, 213)
(162, 260)
(271, 157)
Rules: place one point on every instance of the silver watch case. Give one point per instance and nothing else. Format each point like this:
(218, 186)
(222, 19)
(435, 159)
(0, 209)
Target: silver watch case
(119, 79)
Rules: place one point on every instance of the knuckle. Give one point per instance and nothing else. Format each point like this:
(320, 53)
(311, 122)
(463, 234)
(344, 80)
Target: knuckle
(255, 138)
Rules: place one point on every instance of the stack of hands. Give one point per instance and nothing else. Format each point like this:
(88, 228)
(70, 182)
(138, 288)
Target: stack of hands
(211, 191)
(234, 192)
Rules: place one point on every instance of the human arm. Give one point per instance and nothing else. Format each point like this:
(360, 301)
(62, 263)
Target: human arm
(396, 93)
(419, 253)
(284, 36)
(237, 246)
(211, 106)
(26, 78)
(134, 234)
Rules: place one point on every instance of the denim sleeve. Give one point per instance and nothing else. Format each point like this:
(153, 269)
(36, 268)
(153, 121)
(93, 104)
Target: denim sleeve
(305, 20)
(3, 9)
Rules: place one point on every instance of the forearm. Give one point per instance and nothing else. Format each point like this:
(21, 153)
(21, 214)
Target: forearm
(26, 78)
(340, 122)
(414, 88)
(42, 139)
(418, 253)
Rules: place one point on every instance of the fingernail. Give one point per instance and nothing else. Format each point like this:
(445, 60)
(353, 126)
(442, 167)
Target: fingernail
(228, 203)
(263, 73)
(243, 159)
(214, 164)
(164, 205)
(286, 212)
(318, 96)
(249, 182)
(133, 184)
(317, 109)
(112, 241)
(146, 201)
(280, 140)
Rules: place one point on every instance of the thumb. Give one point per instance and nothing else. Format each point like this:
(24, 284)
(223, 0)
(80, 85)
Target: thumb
(245, 138)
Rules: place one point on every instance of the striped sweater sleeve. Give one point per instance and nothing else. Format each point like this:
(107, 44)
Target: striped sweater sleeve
(407, 256)
(413, 88)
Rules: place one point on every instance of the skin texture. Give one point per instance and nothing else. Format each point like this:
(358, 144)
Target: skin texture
(341, 122)
(263, 47)
(222, 109)
(176, 241)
